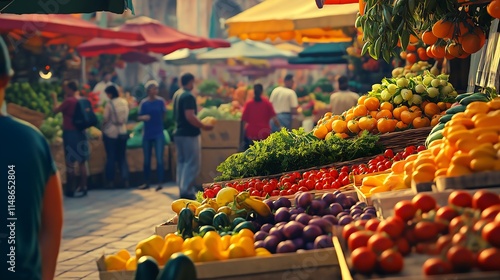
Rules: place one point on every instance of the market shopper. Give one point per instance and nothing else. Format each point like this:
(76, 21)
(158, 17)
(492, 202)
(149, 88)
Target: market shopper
(257, 115)
(344, 99)
(101, 86)
(285, 103)
(152, 112)
(187, 137)
(174, 87)
(32, 195)
(76, 146)
(115, 136)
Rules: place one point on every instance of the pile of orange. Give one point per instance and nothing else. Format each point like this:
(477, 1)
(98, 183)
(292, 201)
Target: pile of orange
(493, 8)
(470, 143)
(453, 39)
(371, 115)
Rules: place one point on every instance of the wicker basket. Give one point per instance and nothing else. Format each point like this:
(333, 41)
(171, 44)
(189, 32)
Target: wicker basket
(400, 140)
(33, 117)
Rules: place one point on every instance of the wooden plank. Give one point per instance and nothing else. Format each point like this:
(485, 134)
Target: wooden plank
(490, 179)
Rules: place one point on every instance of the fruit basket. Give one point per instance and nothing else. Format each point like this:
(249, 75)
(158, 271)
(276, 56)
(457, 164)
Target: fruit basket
(401, 139)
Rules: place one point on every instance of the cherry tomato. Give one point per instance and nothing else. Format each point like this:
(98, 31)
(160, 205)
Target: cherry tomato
(437, 266)
(410, 149)
(283, 193)
(403, 246)
(363, 260)
(405, 210)
(336, 184)
(489, 259)
(490, 213)
(302, 189)
(216, 188)
(240, 188)
(456, 224)
(491, 233)
(334, 173)
(358, 239)
(483, 199)
(445, 213)
(379, 242)
(259, 186)
(348, 230)
(318, 186)
(424, 202)
(420, 148)
(209, 193)
(426, 231)
(345, 181)
(443, 242)
(310, 184)
(461, 258)
(397, 158)
(294, 188)
(460, 199)
(391, 261)
(389, 153)
(342, 175)
(345, 169)
(372, 224)
(392, 228)
(388, 165)
(380, 158)
(276, 193)
(255, 193)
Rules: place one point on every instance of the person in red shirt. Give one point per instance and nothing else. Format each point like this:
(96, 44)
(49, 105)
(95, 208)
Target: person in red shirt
(76, 146)
(257, 114)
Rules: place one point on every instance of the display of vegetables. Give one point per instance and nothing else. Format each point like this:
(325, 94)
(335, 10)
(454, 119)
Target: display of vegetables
(286, 151)
(458, 237)
(230, 111)
(394, 105)
(51, 128)
(36, 97)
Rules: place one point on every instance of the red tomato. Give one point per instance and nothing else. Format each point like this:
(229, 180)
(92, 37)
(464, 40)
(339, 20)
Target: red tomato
(389, 153)
(483, 199)
(283, 193)
(372, 224)
(259, 186)
(379, 158)
(491, 233)
(294, 188)
(461, 258)
(392, 228)
(289, 192)
(310, 184)
(446, 213)
(436, 266)
(346, 181)
(410, 149)
(460, 199)
(405, 210)
(397, 158)
(363, 260)
(424, 202)
(209, 193)
(426, 231)
(303, 189)
(318, 186)
(342, 175)
(459, 239)
(455, 224)
(489, 259)
(358, 239)
(216, 188)
(379, 242)
(267, 188)
(403, 246)
(334, 173)
(276, 193)
(348, 230)
(490, 213)
(256, 193)
(421, 148)
(345, 169)
(443, 242)
(388, 165)
(391, 261)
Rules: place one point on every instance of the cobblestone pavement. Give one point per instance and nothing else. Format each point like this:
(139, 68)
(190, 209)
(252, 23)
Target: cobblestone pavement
(106, 221)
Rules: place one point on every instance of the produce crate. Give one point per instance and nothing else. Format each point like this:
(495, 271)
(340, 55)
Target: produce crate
(490, 179)
(358, 179)
(401, 139)
(412, 269)
(210, 159)
(226, 134)
(33, 117)
(309, 265)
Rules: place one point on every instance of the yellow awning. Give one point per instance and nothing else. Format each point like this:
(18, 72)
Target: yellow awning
(293, 19)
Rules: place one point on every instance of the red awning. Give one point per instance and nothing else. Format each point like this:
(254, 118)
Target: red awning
(321, 3)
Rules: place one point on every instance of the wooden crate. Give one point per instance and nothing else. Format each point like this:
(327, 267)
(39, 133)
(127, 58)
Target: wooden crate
(226, 134)
(490, 179)
(401, 139)
(309, 265)
(33, 117)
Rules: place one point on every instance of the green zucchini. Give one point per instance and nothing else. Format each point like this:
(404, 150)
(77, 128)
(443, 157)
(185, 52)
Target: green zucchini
(206, 217)
(178, 267)
(462, 96)
(237, 221)
(246, 224)
(456, 109)
(473, 98)
(147, 268)
(439, 126)
(434, 136)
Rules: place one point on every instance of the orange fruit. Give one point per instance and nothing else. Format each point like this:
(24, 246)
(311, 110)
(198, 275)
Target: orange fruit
(353, 126)
(459, 115)
(397, 111)
(462, 159)
(373, 114)
(320, 132)
(431, 109)
(442, 29)
(386, 125)
(442, 106)
(361, 99)
(420, 122)
(438, 51)
(494, 9)
(366, 123)
(371, 103)
(398, 167)
(384, 114)
(471, 43)
(386, 106)
(423, 177)
(429, 38)
(401, 125)
(435, 120)
(360, 111)
(411, 58)
(429, 53)
(458, 170)
(339, 126)
(455, 49)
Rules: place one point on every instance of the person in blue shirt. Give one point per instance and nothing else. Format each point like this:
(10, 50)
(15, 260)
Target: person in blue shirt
(31, 198)
(152, 112)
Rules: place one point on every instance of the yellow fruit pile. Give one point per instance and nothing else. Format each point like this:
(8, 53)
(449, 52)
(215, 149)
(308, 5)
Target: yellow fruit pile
(385, 182)
(211, 247)
(470, 143)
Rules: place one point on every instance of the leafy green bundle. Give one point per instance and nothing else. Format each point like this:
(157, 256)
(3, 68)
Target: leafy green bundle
(286, 151)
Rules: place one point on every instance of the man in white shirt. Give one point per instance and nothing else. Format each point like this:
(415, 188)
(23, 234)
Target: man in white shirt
(343, 99)
(285, 103)
(100, 87)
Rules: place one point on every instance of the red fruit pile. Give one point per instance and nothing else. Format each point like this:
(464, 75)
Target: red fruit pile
(322, 179)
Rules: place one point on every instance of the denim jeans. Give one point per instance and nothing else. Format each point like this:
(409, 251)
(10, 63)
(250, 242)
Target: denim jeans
(188, 164)
(285, 120)
(147, 146)
(116, 150)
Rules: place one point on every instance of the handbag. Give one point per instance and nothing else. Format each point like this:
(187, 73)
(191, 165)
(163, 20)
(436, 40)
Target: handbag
(125, 136)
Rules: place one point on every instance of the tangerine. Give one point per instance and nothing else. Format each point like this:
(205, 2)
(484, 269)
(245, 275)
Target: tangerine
(386, 106)
(320, 132)
(494, 9)
(431, 109)
(442, 29)
(429, 38)
(429, 53)
(411, 58)
(455, 49)
(471, 43)
(339, 126)
(384, 114)
(438, 51)
(361, 99)
(360, 111)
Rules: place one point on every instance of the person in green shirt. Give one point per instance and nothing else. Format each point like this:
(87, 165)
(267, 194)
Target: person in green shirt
(31, 201)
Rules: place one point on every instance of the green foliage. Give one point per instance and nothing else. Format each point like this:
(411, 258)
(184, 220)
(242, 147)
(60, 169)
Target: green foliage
(36, 97)
(51, 128)
(286, 151)
(302, 90)
(209, 87)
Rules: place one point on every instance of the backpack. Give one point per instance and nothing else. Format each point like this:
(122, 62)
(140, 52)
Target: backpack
(84, 116)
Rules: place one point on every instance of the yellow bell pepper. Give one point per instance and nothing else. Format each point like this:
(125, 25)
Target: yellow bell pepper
(245, 201)
(179, 204)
